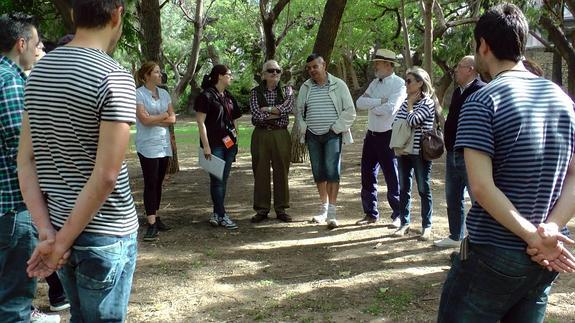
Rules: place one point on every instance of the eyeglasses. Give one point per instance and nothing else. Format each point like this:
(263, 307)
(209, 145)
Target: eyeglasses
(228, 74)
(274, 70)
(409, 81)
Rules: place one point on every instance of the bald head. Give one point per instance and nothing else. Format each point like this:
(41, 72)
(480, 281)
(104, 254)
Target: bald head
(465, 71)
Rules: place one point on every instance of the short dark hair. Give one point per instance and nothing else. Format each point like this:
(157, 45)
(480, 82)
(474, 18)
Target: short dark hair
(14, 26)
(505, 29)
(212, 78)
(314, 56)
(94, 13)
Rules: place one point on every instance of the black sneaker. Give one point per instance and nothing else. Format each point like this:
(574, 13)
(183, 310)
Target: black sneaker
(152, 232)
(161, 225)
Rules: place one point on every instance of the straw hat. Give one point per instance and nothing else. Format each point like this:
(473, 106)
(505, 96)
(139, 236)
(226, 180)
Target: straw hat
(385, 55)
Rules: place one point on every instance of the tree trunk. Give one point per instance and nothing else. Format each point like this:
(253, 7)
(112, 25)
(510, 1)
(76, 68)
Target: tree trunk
(328, 28)
(64, 7)
(149, 16)
(348, 63)
(406, 45)
(564, 46)
(557, 74)
(269, 18)
(427, 6)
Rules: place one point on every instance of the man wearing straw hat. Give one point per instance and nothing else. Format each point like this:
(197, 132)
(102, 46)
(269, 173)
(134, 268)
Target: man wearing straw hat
(382, 100)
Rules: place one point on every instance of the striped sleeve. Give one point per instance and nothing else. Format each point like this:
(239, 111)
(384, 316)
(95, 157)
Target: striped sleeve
(421, 113)
(118, 93)
(475, 127)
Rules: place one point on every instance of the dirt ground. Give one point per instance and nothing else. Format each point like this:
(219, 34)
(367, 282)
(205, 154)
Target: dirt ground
(296, 272)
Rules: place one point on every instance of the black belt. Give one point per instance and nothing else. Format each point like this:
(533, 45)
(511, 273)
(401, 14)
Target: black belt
(373, 133)
(270, 127)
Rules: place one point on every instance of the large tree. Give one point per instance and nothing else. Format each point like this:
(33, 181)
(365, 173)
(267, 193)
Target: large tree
(328, 28)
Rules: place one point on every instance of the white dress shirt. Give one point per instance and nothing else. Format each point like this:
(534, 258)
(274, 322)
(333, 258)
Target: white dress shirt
(381, 116)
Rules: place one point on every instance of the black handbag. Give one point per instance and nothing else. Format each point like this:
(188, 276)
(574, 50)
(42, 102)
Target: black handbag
(432, 143)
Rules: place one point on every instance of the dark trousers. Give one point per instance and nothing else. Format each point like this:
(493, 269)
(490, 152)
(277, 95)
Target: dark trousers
(271, 147)
(376, 154)
(55, 289)
(154, 171)
(455, 184)
(407, 165)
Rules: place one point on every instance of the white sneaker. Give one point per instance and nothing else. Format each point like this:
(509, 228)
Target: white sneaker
(396, 223)
(38, 317)
(322, 215)
(214, 220)
(425, 234)
(331, 215)
(403, 230)
(447, 243)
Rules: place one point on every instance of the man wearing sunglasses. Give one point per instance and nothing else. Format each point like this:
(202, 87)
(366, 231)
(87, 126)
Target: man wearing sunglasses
(382, 100)
(270, 104)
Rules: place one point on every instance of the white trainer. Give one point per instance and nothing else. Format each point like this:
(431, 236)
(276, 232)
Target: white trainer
(322, 214)
(403, 230)
(447, 243)
(396, 223)
(38, 317)
(331, 217)
(425, 234)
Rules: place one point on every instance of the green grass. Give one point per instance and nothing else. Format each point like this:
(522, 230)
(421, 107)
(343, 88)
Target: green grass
(187, 134)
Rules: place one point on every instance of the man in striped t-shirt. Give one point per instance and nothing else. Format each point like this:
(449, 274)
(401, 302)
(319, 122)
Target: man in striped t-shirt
(324, 113)
(518, 139)
(79, 105)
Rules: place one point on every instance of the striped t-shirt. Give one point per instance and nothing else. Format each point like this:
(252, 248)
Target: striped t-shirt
(420, 118)
(70, 91)
(321, 113)
(526, 125)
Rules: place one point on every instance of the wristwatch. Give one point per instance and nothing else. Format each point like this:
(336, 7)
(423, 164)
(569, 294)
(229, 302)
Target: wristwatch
(269, 109)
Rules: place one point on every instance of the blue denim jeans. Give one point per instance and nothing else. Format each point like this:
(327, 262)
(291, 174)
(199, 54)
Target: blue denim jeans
(18, 238)
(406, 166)
(455, 184)
(324, 155)
(495, 284)
(217, 186)
(98, 277)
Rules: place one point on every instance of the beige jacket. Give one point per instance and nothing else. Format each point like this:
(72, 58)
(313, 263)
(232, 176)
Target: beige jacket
(339, 94)
(401, 138)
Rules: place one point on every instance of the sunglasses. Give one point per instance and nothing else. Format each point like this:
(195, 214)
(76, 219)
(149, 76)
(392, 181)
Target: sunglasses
(274, 70)
(409, 81)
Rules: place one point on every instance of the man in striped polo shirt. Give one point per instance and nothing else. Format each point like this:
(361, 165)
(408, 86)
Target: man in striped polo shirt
(517, 134)
(325, 113)
(79, 105)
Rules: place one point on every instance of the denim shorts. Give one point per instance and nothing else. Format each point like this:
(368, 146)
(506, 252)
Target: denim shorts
(98, 277)
(325, 156)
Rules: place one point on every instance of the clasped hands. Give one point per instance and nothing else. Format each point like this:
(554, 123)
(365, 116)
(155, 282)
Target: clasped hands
(547, 248)
(47, 256)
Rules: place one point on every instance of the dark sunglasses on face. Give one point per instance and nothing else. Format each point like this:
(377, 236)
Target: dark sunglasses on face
(274, 70)
(409, 81)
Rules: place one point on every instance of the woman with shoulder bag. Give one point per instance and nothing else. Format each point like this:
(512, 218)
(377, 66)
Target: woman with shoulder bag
(216, 115)
(419, 111)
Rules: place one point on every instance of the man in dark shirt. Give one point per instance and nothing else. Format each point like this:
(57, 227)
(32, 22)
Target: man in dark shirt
(468, 82)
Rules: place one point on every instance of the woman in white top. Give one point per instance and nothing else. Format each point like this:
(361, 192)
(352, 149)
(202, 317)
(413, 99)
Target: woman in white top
(154, 114)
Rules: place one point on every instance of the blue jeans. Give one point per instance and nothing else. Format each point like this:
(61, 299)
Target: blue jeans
(324, 155)
(18, 238)
(98, 277)
(495, 284)
(217, 186)
(406, 166)
(455, 184)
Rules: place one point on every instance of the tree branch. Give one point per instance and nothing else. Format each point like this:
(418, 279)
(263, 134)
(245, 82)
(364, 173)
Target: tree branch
(163, 4)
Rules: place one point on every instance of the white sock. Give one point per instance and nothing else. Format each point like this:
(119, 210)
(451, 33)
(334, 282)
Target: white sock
(331, 211)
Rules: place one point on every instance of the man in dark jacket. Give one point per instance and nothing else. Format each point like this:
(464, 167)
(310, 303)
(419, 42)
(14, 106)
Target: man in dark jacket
(468, 82)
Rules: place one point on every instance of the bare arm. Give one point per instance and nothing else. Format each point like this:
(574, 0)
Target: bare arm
(149, 120)
(201, 119)
(171, 118)
(29, 184)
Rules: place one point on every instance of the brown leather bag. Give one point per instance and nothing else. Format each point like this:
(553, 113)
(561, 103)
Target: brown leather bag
(432, 144)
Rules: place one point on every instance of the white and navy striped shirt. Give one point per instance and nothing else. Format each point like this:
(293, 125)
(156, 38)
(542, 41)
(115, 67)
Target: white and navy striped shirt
(526, 125)
(321, 113)
(69, 93)
(420, 118)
